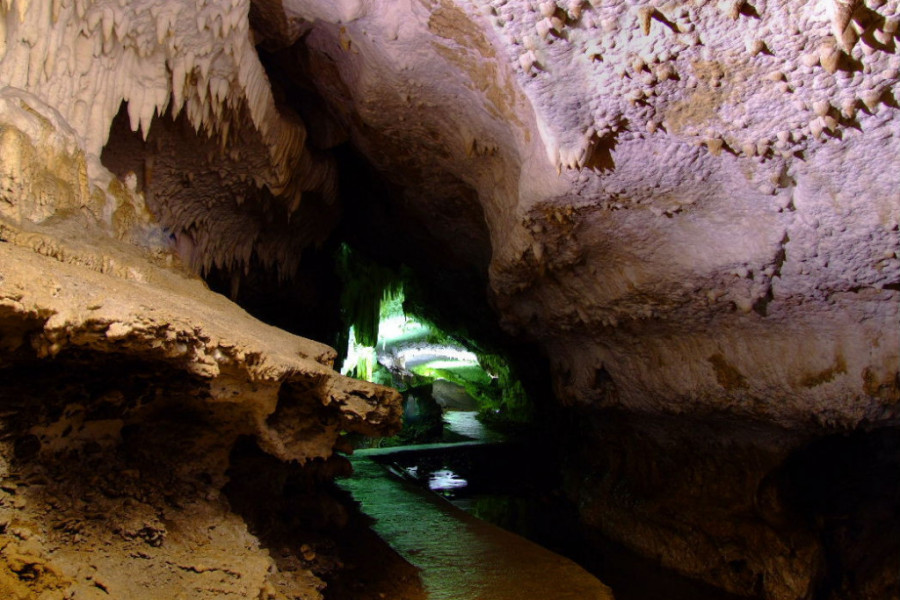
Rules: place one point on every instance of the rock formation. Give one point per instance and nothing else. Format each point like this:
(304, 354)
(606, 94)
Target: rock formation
(692, 209)
(127, 387)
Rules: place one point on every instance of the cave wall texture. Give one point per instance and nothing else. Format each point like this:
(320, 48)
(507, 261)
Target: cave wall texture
(691, 208)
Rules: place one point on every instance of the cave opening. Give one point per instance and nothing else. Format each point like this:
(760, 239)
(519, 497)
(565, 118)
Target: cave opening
(444, 375)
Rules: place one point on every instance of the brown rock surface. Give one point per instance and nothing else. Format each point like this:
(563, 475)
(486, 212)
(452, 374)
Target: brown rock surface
(126, 385)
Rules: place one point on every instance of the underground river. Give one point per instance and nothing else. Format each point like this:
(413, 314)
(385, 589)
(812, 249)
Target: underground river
(482, 518)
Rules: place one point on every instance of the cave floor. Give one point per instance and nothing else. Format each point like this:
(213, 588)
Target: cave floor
(459, 556)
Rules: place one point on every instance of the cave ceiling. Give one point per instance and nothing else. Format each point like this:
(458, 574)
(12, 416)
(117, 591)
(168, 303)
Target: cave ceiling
(690, 207)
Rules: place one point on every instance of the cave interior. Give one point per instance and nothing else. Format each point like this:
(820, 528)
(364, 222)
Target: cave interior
(268, 231)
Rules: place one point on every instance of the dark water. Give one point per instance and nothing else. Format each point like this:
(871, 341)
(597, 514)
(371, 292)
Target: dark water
(458, 556)
(516, 487)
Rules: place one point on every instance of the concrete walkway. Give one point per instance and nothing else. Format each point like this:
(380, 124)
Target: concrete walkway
(461, 557)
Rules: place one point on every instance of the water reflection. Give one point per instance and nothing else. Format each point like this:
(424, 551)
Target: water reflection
(444, 481)
(459, 556)
(517, 487)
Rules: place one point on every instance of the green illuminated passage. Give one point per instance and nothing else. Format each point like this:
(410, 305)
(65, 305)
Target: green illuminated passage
(389, 346)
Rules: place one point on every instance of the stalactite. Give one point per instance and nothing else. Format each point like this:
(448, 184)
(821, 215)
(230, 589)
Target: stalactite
(117, 52)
